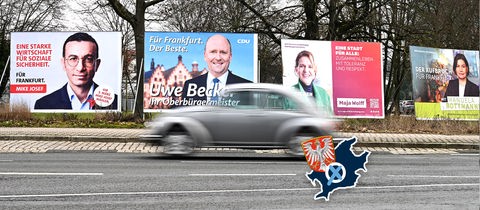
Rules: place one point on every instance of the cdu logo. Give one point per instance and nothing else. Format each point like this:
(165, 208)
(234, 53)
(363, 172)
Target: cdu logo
(243, 41)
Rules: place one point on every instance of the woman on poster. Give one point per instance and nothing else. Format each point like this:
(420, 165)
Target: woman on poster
(306, 71)
(461, 87)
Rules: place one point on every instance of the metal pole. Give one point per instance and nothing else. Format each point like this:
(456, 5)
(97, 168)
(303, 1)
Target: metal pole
(138, 83)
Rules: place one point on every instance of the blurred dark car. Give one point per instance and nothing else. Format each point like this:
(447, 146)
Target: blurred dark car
(250, 116)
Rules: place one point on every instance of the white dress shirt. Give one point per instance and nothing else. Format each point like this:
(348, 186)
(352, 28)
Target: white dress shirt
(76, 103)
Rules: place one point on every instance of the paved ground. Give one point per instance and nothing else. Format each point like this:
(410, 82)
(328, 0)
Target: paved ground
(40, 140)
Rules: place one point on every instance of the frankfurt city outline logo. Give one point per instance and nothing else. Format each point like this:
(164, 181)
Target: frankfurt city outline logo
(333, 168)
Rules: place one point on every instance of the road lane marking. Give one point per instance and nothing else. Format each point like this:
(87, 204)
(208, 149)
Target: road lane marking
(417, 186)
(225, 191)
(242, 174)
(242, 162)
(50, 174)
(465, 154)
(6, 160)
(150, 193)
(433, 176)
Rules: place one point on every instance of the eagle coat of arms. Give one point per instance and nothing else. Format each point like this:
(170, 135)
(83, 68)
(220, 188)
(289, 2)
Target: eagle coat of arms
(319, 152)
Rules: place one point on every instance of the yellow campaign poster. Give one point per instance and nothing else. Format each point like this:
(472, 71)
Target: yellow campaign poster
(445, 83)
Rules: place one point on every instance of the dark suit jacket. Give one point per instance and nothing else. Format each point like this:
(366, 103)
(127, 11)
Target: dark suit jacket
(201, 81)
(60, 100)
(471, 89)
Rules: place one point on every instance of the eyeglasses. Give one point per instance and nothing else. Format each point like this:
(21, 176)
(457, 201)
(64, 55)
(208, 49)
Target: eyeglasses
(87, 60)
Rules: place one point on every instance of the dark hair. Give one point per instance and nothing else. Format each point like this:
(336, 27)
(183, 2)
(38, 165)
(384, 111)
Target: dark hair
(460, 56)
(80, 36)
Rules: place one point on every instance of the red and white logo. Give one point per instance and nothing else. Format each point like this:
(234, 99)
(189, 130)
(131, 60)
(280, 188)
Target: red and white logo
(103, 96)
(319, 152)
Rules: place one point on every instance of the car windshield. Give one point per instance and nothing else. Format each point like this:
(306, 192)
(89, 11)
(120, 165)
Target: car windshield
(258, 100)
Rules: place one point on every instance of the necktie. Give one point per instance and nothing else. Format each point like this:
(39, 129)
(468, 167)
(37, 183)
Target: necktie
(215, 86)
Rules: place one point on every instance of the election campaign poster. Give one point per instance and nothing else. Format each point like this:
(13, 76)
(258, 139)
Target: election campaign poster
(190, 69)
(345, 79)
(66, 71)
(445, 83)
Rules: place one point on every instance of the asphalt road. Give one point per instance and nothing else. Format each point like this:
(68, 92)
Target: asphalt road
(230, 181)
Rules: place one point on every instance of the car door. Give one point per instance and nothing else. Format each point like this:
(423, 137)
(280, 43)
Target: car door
(276, 110)
(230, 124)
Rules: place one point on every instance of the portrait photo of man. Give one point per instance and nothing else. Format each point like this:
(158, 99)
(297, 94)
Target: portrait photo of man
(80, 62)
(218, 55)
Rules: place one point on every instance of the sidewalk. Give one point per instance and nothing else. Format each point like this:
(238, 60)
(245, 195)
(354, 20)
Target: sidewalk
(110, 139)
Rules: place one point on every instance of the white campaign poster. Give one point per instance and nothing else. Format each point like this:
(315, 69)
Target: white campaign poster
(39, 70)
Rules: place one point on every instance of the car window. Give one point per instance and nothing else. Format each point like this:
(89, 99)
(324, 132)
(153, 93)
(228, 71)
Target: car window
(260, 100)
(279, 102)
(243, 99)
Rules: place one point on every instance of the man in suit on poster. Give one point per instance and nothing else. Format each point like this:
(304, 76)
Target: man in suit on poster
(80, 62)
(217, 54)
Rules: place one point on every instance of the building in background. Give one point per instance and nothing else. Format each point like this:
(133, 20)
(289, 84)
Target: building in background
(170, 79)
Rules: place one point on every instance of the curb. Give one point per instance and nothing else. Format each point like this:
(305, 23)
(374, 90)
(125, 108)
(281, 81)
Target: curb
(440, 145)
(70, 138)
(419, 145)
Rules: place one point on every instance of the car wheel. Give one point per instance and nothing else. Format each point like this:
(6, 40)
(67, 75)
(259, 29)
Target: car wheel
(178, 143)
(295, 144)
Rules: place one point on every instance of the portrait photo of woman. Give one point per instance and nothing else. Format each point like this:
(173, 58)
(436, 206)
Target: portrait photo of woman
(461, 86)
